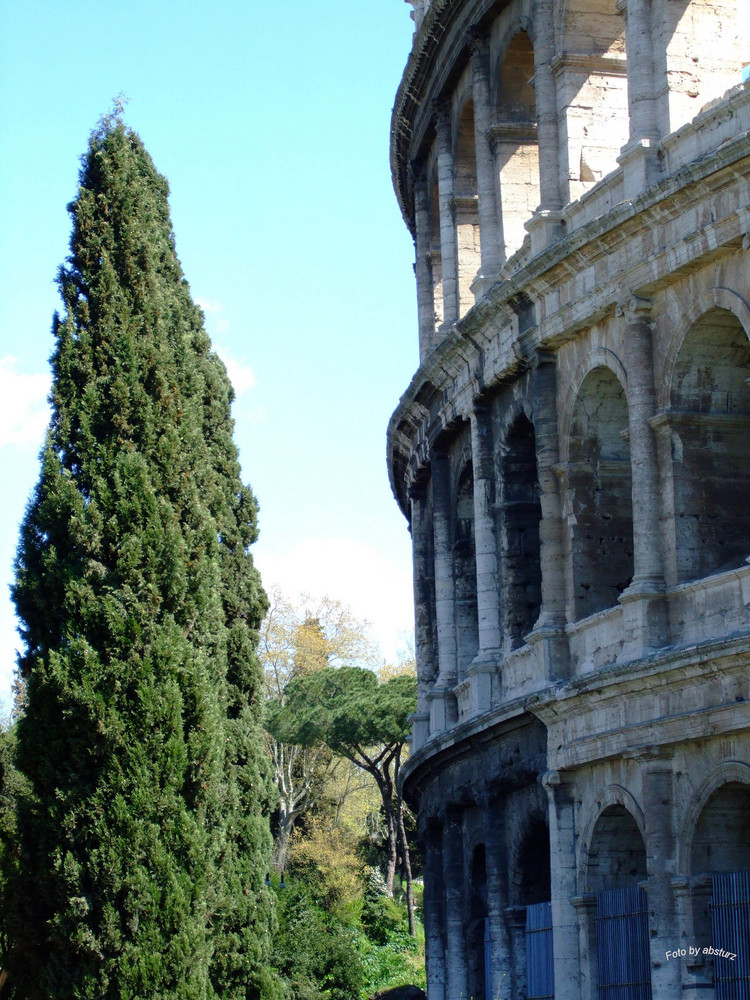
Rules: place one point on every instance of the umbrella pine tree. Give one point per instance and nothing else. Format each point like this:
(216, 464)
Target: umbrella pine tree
(142, 828)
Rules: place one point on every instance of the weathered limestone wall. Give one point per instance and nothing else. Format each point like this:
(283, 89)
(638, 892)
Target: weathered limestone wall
(571, 455)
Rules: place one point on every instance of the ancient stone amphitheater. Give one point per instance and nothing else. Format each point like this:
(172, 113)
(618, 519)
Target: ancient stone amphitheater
(573, 457)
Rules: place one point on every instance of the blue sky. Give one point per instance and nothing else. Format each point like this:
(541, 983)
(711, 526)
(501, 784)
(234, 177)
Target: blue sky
(271, 123)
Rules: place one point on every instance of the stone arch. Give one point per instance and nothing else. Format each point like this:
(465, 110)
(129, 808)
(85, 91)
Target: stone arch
(466, 204)
(709, 421)
(599, 500)
(718, 297)
(591, 73)
(465, 570)
(717, 840)
(607, 798)
(615, 848)
(731, 772)
(597, 358)
(520, 516)
(514, 139)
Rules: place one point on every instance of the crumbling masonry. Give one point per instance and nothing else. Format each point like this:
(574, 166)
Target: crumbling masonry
(573, 457)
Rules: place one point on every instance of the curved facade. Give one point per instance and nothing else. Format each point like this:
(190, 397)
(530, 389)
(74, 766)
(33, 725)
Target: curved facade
(573, 457)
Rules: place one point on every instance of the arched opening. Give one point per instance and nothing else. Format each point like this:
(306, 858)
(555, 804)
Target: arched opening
(514, 139)
(720, 865)
(465, 572)
(534, 893)
(616, 864)
(466, 206)
(521, 516)
(592, 93)
(617, 854)
(709, 424)
(600, 497)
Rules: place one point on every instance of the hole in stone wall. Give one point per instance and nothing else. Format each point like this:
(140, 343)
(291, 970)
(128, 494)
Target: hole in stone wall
(600, 498)
(720, 845)
(534, 864)
(521, 515)
(466, 207)
(720, 841)
(514, 135)
(465, 571)
(710, 423)
(617, 854)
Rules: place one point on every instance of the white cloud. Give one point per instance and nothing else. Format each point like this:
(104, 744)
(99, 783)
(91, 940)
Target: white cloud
(376, 590)
(24, 411)
(212, 310)
(241, 375)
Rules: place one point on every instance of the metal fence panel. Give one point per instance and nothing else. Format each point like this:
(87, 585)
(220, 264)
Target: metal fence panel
(487, 960)
(540, 973)
(730, 926)
(622, 947)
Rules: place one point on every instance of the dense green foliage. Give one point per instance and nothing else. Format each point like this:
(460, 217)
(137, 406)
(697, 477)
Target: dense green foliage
(324, 950)
(348, 710)
(141, 835)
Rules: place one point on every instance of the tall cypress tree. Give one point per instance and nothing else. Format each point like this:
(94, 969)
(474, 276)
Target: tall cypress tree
(143, 833)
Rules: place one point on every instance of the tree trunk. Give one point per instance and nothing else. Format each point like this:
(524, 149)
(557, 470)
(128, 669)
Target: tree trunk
(407, 867)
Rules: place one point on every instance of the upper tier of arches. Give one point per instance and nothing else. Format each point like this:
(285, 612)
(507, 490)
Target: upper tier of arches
(508, 112)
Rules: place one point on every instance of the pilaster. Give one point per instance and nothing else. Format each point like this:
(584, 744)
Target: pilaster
(423, 261)
(434, 912)
(489, 235)
(562, 842)
(448, 245)
(442, 701)
(643, 602)
(550, 626)
(455, 917)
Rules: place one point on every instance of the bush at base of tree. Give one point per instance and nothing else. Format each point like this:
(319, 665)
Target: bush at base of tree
(342, 952)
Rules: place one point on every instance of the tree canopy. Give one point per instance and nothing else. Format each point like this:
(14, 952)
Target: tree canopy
(141, 831)
(348, 710)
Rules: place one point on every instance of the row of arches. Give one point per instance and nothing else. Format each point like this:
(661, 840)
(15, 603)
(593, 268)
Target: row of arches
(703, 480)
(504, 931)
(537, 112)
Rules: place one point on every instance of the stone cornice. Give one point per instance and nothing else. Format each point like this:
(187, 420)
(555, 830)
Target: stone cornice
(493, 315)
(587, 701)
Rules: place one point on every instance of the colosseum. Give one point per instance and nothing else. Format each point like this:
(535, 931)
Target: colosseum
(572, 457)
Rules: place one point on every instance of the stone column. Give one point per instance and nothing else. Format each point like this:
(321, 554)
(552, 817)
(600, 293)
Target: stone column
(638, 157)
(497, 897)
(515, 921)
(550, 627)
(442, 700)
(643, 601)
(586, 909)
(661, 861)
(423, 572)
(489, 232)
(434, 912)
(562, 844)
(544, 227)
(423, 262)
(448, 246)
(455, 916)
(485, 541)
